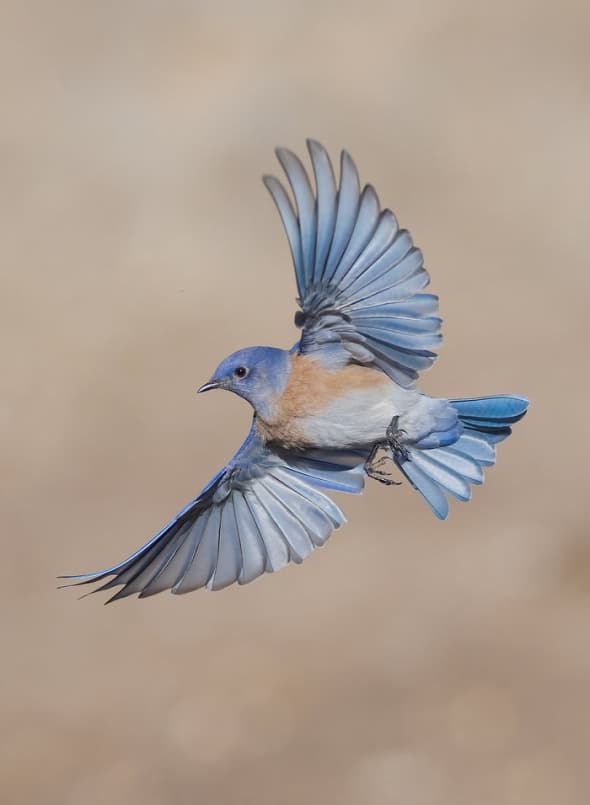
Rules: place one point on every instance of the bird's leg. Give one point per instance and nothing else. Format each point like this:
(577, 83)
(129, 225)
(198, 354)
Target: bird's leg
(395, 452)
(394, 437)
(371, 466)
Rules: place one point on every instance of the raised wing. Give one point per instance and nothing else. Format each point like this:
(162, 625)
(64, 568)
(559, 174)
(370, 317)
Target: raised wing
(260, 512)
(358, 274)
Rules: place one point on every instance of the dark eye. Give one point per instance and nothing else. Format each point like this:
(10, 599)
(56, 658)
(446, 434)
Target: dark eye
(241, 371)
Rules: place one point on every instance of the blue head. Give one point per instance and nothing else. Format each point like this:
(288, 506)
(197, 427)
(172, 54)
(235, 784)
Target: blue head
(258, 374)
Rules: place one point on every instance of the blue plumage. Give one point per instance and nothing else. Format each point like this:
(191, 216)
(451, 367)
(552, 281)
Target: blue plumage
(370, 262)
(323, 408)
(446, 463)
(495, 414)
(261, 511)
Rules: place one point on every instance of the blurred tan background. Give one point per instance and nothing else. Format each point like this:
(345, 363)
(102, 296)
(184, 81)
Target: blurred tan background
(410, 662)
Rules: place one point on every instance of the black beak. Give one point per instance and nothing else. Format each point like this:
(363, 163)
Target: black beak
(212, 384)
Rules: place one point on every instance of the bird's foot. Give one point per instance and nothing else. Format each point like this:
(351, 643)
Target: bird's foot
(372, 466)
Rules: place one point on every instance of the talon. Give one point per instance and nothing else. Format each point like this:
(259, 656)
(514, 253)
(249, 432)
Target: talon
(382, 477)
(371, 465)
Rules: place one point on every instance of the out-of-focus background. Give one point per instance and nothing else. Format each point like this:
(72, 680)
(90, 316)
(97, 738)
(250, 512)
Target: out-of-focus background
(410, 661)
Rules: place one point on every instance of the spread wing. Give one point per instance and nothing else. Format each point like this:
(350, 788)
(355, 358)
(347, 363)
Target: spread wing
(263, 510)
(359, 276)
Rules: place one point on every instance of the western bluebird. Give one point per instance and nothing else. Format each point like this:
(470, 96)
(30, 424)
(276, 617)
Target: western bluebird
(325, 410)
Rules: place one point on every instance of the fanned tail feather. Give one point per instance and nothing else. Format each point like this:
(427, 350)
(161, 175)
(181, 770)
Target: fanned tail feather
(491, 414)
(451, 470)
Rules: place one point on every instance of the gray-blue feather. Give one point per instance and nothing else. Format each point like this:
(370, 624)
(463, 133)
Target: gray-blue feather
(358, 275)
(262, 511)
(461, 441)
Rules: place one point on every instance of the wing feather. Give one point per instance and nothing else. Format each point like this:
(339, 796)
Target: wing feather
(349, 257)
(262, 511)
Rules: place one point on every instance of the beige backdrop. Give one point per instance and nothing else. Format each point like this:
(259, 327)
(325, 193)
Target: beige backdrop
(410, 662)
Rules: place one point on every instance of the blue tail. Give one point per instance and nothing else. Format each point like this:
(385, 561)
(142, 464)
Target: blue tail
(452, 469)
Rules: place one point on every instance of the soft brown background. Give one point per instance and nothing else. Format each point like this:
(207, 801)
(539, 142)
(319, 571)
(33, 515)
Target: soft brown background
(410, 662)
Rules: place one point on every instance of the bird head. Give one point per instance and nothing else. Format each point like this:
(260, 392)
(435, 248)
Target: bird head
(258, 374)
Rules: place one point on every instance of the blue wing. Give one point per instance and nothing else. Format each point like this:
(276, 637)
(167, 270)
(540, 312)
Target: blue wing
(358, 274)
(263, 510)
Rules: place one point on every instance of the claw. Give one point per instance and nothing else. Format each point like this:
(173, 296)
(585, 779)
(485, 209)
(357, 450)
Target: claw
(382, 477)
(371, 466)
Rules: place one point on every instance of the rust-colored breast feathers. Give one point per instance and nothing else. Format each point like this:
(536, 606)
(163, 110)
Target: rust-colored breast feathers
(311, 388)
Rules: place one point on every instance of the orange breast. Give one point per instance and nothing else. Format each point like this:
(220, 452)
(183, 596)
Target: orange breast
(312, 388)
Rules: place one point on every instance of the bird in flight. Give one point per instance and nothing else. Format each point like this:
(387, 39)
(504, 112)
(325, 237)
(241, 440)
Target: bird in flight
(339, 407)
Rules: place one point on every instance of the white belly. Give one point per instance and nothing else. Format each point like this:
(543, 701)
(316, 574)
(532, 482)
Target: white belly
(361, 417)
